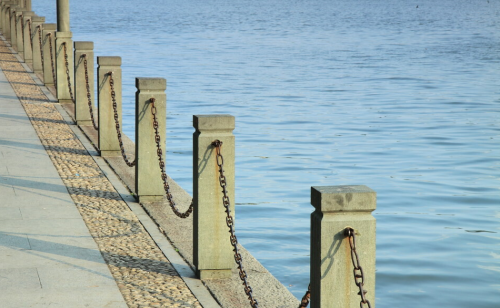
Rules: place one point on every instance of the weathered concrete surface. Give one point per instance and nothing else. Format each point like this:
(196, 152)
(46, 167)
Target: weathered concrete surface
(332, 280)
(13, 29)
(149, 184)
(27, 50)
(49, 53)
(19, 31)
(84, 52)
(109, 68)
(143, 274)
(65, 71)
(213, 253)
(63, 16)
(36, 39)
(49, 257)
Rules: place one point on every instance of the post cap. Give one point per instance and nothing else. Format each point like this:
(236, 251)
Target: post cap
(38, 18)
(212, 122)
(49, 27)
(346, 198)
(83, 45)
(28, 13)
(145, 83)
(66, 34)
(112, 61)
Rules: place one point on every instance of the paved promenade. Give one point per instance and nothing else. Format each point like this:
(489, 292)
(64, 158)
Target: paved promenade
(67, 237)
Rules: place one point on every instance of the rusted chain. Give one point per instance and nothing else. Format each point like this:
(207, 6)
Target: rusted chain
(31, 33)
(159, 151)
(22, 26)
(230, 223)
(52, 58)
(89, 96)
(359, 278)
(70, 88)
(305, 299)
(41, 46)
(117, 122)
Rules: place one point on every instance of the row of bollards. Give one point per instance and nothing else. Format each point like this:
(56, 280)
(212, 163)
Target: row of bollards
(336, 275)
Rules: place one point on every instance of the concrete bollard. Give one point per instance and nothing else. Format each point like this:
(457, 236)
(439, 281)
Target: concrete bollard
(82, 111)
(13, 18)
(108, 140)
(6, 20)
(49, 53)
(63, 16)
(19, 31)
(64, 61)
(213, 253)
(27, 34)
(36, 39)
(3, 8)
(332, 279)
(2, 16)
(64, 64)
(148, 181)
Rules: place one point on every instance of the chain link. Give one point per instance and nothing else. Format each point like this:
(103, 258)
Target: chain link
(230, 223)
(89, 96)
(70, 88)
(117, 122)
(22, 26)
(52, 57)
(41, 46)
(31, 33)
(305, 299)
(159, 151)
(359, 278)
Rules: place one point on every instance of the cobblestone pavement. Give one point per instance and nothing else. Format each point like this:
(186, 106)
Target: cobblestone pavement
(143, 274)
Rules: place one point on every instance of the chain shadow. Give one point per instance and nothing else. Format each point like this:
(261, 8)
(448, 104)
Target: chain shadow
(206, 155)
(34, 119)
(332, 252)
(43, 249)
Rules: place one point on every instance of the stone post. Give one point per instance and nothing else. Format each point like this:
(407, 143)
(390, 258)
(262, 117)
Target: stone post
(5, 16)
(63, 16)
(19, 31)
(2, 16)
(148, 182)
(63, 37)
(332, 280)
(3, 7)
(27, 5)
(36, 38)
(64, 93)
(108, 140)
(13, 18)
(83, 50)
(48, 39)
(27, 50)
(213, 253)
(6, 21)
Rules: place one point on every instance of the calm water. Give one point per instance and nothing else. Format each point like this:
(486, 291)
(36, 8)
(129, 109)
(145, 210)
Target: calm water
(402, 99)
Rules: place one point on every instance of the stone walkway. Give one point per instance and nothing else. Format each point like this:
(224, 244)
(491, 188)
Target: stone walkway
(50, 257)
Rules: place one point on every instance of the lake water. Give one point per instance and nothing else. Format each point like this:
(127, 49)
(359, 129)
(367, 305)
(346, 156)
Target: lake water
(400, 95)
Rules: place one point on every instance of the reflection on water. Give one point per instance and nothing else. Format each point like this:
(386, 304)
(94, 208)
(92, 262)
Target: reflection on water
(402, 99)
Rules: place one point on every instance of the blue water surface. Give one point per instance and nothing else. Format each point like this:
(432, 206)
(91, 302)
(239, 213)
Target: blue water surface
(400, 95)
